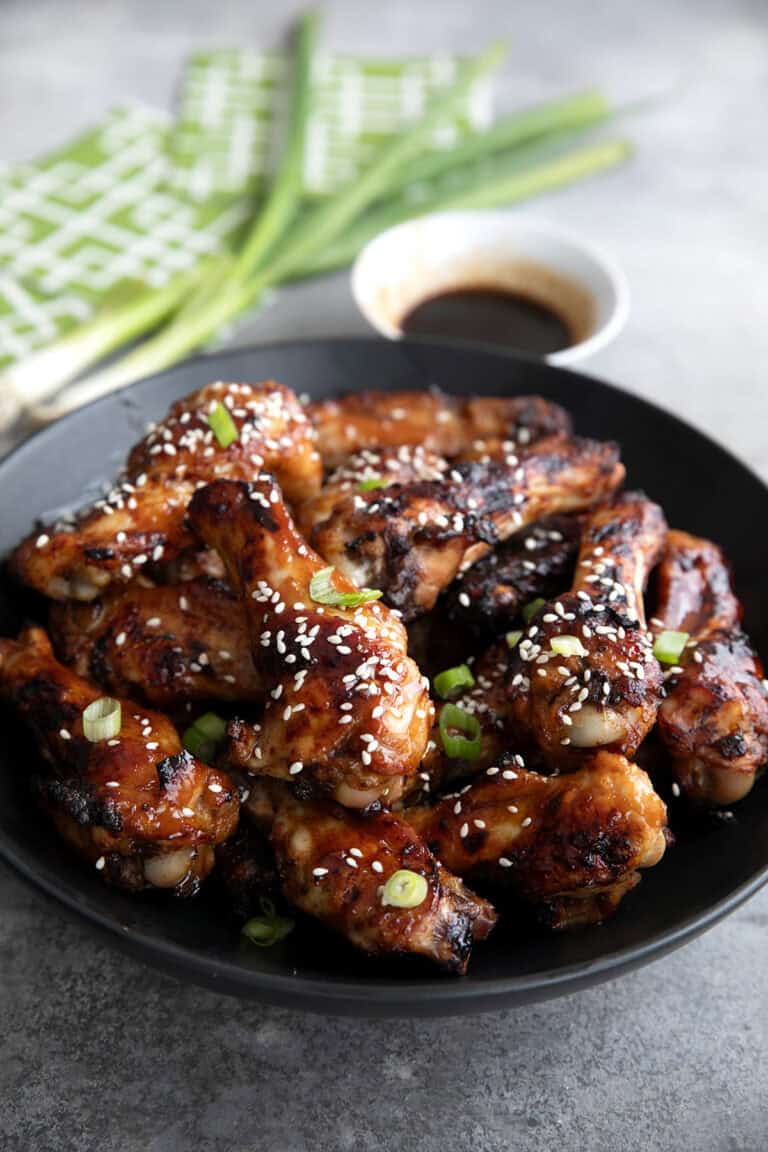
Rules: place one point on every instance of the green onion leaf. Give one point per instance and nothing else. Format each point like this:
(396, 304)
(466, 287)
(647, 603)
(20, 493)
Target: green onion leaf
(267, 929)
(530, 610)
(513, 639)
(322, 591)
(102, 719)
(567, 646)
(199, 744)
(405, 889)
(465, 746)
(212, 726)
(453, 681)
(669, 646)
(369, 485)
(223, 426)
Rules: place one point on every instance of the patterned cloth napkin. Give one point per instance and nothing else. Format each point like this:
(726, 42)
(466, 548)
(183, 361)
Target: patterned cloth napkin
(135, 201)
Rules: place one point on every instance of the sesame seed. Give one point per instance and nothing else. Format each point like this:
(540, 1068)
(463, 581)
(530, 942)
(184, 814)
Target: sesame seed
(100, 863)
(464, 600)
(675, 788)
(356, 852)
(505, 862)
(528, 821)
(479, 823)
(350, 860)
(153, 622)
(377, 866)
(215, 787)
(152, 746)
(318, 872)
(295, 768)
(65, 735)
(42, 540)
(464, 830)
(187, 812)
(112, 743)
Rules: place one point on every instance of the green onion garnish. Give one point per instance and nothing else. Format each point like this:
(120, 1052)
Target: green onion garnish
(212, 726)
(465, 746)
(405, 889)
(530, 610)
(369, 485)
(322, 591)
(567, 646)
(669, 646)
(204, 737)
(513, 639)
(267, 929)
(223, 426)
(452, 681)
(102, 719)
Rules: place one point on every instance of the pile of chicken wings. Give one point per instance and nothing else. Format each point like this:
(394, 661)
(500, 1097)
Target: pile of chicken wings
(485, 537)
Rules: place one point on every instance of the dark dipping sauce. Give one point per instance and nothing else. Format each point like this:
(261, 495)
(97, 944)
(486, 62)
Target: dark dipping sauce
(492, 316)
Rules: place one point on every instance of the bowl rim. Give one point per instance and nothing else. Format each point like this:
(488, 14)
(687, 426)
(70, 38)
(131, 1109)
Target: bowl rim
(382, 996)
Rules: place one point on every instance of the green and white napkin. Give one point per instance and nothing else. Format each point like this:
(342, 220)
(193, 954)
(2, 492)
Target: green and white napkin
(136, 200)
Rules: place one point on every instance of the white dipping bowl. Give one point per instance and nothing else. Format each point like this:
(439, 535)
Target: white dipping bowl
(448, 251)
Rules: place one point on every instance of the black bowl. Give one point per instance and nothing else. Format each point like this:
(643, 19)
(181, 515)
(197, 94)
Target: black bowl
(716, 863)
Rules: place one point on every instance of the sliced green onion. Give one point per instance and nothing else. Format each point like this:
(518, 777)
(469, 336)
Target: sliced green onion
(102, 719)
(322, 591)
(669, 646)
(405, 889)
(530, 610)
(204, 738)
(199, 745)
(465, 746)
(267, 929)
(369, 485)
(567, 646)
(212, 726)
(452, 681)
(513, 639)
(223, 426)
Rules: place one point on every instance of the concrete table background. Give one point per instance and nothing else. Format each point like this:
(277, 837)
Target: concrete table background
(99, 1052)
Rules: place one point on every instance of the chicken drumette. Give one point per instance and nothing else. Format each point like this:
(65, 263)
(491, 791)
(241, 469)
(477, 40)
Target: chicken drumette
(138, 806)
(569, 844)
(334, 865)
(449, 425)
(411, 540)
(584, 674)
(714, 720)
(169, 645)
(142, 521)
(347, 710)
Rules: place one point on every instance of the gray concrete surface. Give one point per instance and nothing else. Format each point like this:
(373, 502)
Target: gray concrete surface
(100, 1053)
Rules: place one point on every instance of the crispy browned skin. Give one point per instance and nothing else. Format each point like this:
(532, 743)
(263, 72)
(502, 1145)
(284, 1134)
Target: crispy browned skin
(714, 720)
(380, 466)
(140, 808)
(608, 697)
(141, 522)
(536, 562)
(411, 540)
(570, 844)
(167, 645)
(334, 864)
(348, 711)
(437, 422)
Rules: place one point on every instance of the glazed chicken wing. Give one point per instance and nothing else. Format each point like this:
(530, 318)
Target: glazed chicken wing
(334, 865)
(168, 645)
(411, 540)
(347, 711)
(569, 844)
(138, 806)
(141, 522)
(366, 471)
(437, 422)
(714, 720)
(584, 674)
(536, 562)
